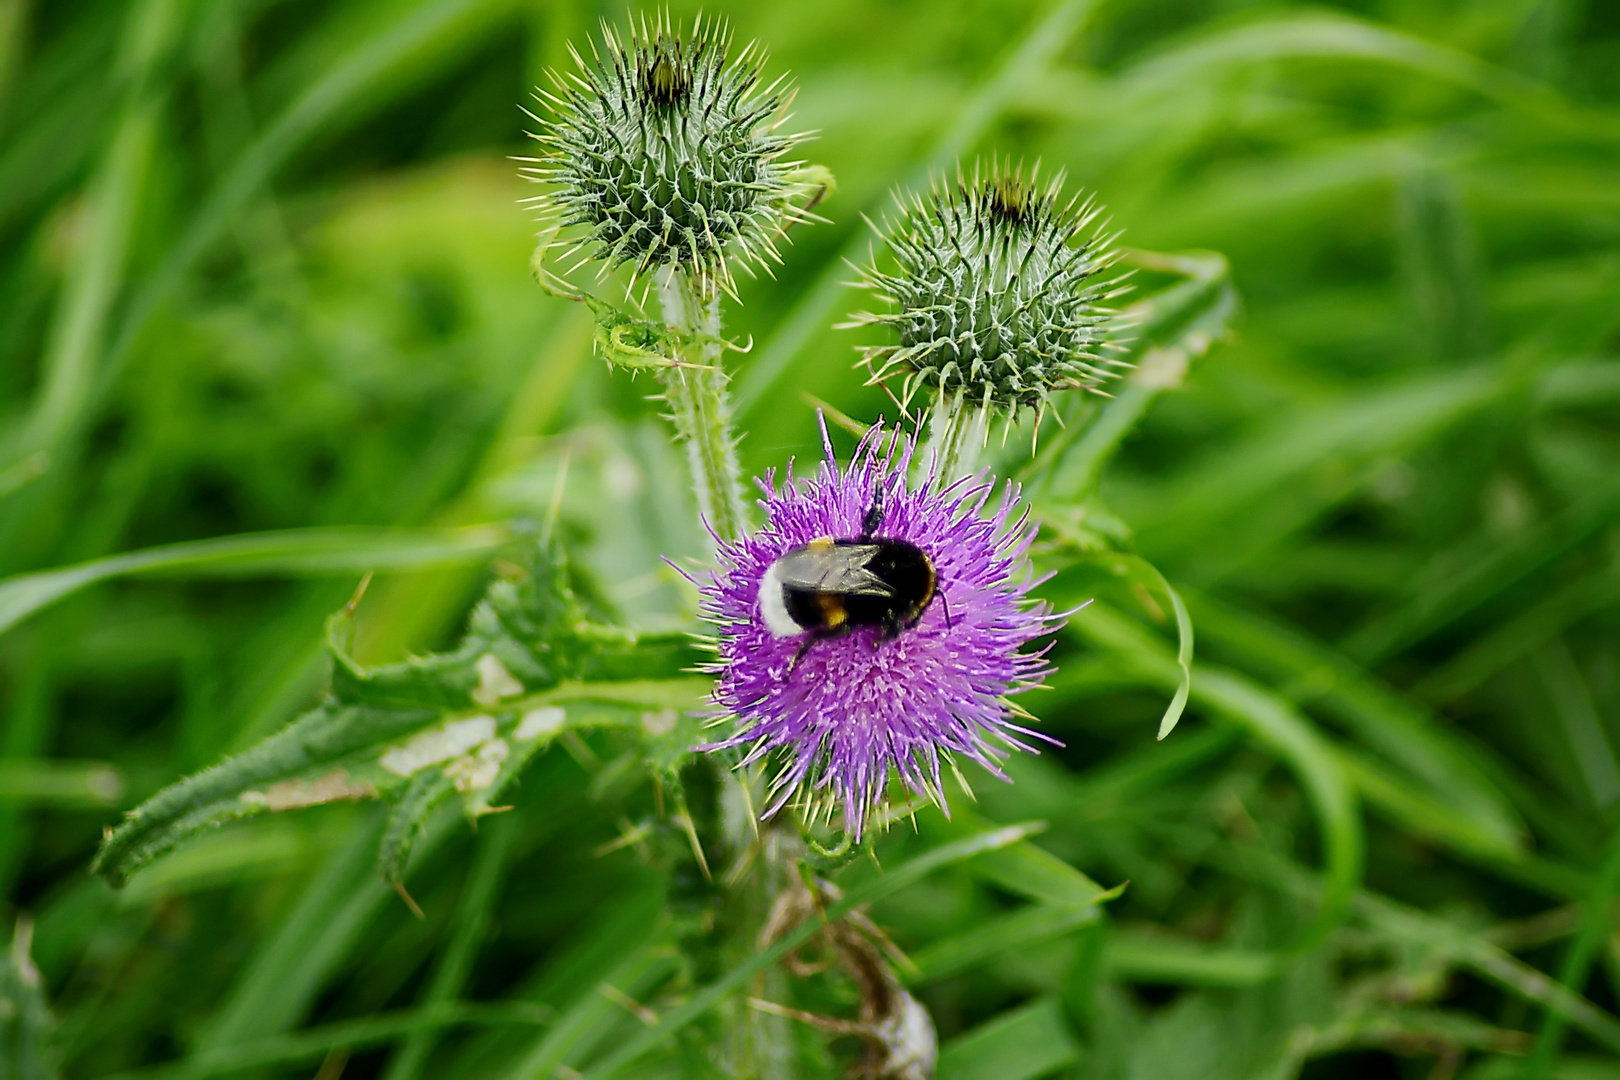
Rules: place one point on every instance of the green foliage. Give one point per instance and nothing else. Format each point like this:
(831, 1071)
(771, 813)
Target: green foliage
(26, 1035)
(530, 669)
(268, 330)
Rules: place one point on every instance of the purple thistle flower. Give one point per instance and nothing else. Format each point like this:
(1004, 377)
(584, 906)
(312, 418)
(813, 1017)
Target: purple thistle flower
(845, 709)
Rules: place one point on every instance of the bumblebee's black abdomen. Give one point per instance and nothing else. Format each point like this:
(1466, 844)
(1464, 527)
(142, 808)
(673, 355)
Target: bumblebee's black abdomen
(836, 585)
(908, 572)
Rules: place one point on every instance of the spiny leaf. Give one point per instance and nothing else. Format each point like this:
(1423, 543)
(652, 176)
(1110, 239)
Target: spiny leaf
(459, 723)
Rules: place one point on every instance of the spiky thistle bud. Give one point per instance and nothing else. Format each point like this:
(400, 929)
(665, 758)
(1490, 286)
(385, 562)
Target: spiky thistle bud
(665, 152)
(996, 295)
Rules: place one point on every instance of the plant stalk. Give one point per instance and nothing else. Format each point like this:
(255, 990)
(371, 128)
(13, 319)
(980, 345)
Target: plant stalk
(957, 433)
(700, 406)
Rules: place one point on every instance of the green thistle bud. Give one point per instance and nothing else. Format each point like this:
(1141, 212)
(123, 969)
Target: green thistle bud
(665, 153)
(995, 296)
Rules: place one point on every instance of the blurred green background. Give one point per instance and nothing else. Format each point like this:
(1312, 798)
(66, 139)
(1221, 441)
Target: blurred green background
(262, 268)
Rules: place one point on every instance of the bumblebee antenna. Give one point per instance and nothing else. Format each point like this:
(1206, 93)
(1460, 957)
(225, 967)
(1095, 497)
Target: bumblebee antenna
(943, 599)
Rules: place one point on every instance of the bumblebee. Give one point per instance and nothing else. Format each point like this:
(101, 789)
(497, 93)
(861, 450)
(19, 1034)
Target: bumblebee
(829, 587)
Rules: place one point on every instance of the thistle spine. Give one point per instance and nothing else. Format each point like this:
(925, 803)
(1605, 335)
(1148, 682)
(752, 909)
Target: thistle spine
(995, 302)
(666, 152)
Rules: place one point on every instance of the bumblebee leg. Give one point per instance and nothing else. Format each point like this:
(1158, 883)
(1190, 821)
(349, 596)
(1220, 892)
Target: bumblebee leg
(798, 654)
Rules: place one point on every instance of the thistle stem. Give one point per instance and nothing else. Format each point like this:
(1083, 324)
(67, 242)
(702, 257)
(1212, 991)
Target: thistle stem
(957, 432)
(700, 405)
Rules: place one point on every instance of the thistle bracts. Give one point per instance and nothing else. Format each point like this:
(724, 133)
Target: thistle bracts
(665, 152)
(996, 293)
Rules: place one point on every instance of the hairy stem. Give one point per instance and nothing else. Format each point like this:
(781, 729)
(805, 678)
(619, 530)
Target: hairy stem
(957, 432)
(701, 407)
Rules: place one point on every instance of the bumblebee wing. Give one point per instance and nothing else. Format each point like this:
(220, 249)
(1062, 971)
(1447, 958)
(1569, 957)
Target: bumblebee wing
(832, 569)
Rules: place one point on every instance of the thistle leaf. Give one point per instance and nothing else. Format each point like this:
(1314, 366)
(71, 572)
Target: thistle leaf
(457, 724)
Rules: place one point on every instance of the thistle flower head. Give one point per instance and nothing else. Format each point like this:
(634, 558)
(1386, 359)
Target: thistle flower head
(665, 151)
(995, 296)
(839, 709)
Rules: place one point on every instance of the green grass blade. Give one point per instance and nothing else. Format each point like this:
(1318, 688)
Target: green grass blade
(73, 353)
(1420, 930)
(989, 938)
(27, 1028)
(1519, 635)
(1274, 724)
(582, 1026)
(1416, 809)
(1138, 573)
(312, 1044)
(1396, 726)
(1322, 36)
(886, 885)
(1023, 868)
(1595, 930)
(1583, 728)
(281, 979)
(1023, 1044)
(409, 44)
(471, 924)
(1232, 494)
(60, 783)
(290, 553)
(1469, 578)
(1158, 958)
